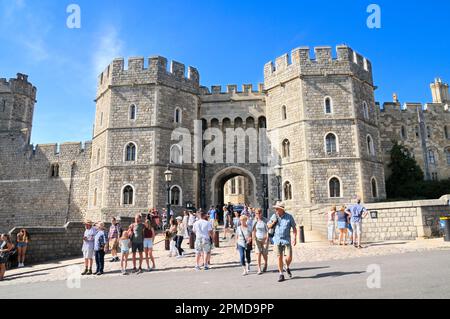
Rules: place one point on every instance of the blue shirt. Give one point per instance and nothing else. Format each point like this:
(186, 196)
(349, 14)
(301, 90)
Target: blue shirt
(100, 240)
(212, 213)
(357, 211)
(282, 234)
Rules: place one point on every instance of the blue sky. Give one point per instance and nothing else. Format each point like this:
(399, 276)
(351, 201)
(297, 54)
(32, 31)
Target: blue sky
(228, 41)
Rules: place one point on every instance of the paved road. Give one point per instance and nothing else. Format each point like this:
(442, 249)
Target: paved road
(411, 275)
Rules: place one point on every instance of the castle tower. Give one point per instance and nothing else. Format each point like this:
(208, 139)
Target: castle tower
(439, 91)
(17, 100)
(138, 108)
(322, 119)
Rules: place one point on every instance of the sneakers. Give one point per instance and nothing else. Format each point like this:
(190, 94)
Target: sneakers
(197, 268)
(206, 267)
(281, 279)
(113, 260)
(139, 271)
(248, 268)
(99, 273)
(245, 273)
(134, 271)
(289, 272)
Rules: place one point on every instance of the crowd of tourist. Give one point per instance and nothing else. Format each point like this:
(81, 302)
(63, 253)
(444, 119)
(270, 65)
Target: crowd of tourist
(247, 226)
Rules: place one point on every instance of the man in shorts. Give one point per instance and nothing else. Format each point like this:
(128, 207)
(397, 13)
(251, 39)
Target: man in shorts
(137, 242)
(88, 246)
(358, 212)
(203, 230)
(283, 223)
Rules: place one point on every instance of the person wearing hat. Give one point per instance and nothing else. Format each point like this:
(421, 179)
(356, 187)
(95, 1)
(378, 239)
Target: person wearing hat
(100, 248)
(180, 236)
(88, 246)
(283, 222)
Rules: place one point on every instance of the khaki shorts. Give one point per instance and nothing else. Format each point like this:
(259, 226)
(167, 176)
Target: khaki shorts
(203, 245)
(114, 244)
(285, 250)
(357, 228)
(261, 247)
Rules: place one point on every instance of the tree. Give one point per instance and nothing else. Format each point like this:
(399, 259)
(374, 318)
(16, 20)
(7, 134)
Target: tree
(406, 175)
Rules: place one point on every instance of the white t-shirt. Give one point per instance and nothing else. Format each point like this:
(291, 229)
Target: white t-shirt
(202, 229)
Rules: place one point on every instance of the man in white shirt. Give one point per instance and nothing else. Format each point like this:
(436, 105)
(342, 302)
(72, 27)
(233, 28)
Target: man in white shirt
(203, 231)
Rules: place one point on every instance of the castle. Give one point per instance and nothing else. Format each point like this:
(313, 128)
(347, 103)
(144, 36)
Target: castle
(330, 137)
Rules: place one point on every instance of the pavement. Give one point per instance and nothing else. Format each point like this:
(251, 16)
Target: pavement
(416, 269)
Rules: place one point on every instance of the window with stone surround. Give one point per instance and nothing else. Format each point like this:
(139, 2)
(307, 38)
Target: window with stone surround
(446, 132)
(130, 152)
(128, 195)
(54, 170)
(331, 145)
(403, 133)
(366, 110)
(287, 189)
(286, 146)
(447, 155)
(431, 157)
(370, 146)
(176, 155)
(94, 201)
(178, 116)
(284, 112)
(133, 112)
(374, 187)
(328, 105)
(175, 196)
(434, 176)
(334, 185)
(98, 156)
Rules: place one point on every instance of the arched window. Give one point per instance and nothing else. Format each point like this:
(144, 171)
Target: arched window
(447, 155)
(175, 196)
(431, 157)
(334, 187)
(374, 188)
(54, 170)
(130, 152)
(331, 143)
(287, 191)
(176, 156)
(128, 195)
(238, 123)
(403, 133)
(286, 148)
(178, 116)
(446, 132)
(284, 112)
(366, 110)
(133, 112)
(262, 122)
(370, 146)
(328, 104)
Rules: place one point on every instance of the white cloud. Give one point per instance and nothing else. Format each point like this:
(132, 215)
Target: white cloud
(110, 46)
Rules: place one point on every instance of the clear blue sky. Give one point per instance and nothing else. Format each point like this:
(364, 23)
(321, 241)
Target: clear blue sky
(228, 41)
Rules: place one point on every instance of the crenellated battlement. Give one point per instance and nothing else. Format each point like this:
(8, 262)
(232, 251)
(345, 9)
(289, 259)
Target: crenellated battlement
(156, 72)
(18, 85)
(322, 63)
(64, 150)
(394, 109)
(233, 89)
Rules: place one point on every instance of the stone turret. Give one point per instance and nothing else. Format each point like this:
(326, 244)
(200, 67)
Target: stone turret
(439, 91)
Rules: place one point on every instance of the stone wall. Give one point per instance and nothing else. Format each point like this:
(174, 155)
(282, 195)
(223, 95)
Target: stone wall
(408, 220)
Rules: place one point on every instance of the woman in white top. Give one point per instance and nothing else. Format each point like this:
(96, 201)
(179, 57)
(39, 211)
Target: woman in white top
(331, 225)
(244, 244)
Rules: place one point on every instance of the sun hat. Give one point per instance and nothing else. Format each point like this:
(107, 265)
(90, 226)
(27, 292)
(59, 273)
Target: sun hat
(88, 222)
(280, 205)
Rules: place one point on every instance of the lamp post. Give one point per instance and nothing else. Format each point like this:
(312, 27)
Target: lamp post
(278, 170)
(168, 174)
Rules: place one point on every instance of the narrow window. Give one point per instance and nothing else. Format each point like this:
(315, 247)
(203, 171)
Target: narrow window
(431, 157)
(370, 146)
(446, 132)
(331, 143)
(328, 106)
(403, 133)
(101, 119)
(175, 196)
(94, 202)
(133, 112)
(233, 186)
(284, 113)
(417, 132)
(286, 149)
(429, 133)
(98, 156)
(54, 170)
(177, 116)
(287, 191)
(128, 195)
(374, 188)
(366, 110)
(335, 188)
(130, 153)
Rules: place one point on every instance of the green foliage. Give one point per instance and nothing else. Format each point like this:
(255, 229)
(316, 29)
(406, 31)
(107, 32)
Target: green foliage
(407, 179)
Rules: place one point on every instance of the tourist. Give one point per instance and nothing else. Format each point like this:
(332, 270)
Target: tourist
(100, 248)
(115, 231)
(125, 244)
(171, 235)
(185, 224)
(350, 233)
(244, 244)
(203, 231)
(226, 222)
(23, 239)
(236, 223)
(88, 247)
(342, 220)
(358, 212)
(331, 225)
(212, 214)
(137, 242)
(283, 223)
(6, 248)
(261, 239)
(192, 219)
(180, 237)
(149, 240)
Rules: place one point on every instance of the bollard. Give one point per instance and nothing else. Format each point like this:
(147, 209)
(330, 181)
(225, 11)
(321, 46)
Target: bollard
(301, 236)
(167, 244)
(445, 221)
(192, 240)
(216, 239)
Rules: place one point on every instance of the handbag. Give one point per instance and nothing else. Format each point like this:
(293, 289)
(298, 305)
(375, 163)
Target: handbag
(249, 245)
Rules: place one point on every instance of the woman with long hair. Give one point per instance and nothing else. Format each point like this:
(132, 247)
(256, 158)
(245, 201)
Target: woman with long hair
(23, 239)
(6, 247)
(149, 240)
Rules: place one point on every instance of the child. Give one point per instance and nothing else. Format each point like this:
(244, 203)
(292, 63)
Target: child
(125, 250)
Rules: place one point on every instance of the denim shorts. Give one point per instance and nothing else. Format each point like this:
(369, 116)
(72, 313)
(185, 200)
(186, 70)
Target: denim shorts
(148, 243)
(22, 245)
